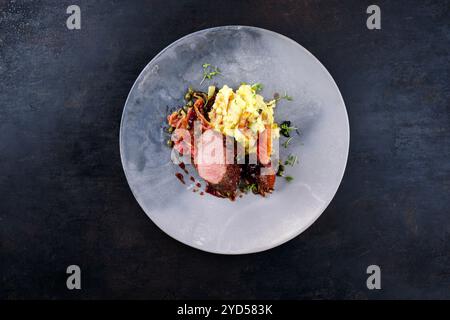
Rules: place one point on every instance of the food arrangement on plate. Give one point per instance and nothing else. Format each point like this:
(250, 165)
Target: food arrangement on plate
(231, 138)
(156, 114)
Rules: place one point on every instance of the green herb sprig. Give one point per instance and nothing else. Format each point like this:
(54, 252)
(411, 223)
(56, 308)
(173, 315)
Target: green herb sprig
(251, 188)
(291, 160)
(209, 71)
(287, 97)
(286, 143)
(257, 87)
(281, 169)
(286, 128)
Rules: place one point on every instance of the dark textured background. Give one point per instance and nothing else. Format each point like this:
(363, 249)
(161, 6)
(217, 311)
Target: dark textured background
(64, 198)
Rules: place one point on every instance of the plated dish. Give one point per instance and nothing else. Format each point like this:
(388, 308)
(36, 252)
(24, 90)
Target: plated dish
(231, 138)
(253, 56)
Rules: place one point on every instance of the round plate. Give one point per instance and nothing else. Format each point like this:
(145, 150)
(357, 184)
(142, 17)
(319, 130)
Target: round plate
(252, 223)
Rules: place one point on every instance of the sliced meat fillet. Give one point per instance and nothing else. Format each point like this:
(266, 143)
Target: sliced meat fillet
(211, 165)
(265, 146)
(266, 180)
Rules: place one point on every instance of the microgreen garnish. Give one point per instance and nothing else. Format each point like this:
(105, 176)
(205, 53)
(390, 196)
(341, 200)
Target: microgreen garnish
(280, 171)
(277, 97)
(257, 87)
(286, 143)
(289, 178)
(286, 128)
(209, 71)
(288, 98)
(291, 160)
(251, 187)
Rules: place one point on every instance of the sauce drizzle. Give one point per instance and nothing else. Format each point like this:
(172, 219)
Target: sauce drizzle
(183, 167)
(180, 177)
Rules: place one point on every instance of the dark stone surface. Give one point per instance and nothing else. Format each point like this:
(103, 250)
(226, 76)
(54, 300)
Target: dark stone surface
(65, 200)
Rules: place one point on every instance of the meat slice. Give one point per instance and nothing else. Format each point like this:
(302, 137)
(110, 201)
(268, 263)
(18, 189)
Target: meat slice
(266, 180)
(264, 146)
(210, 161)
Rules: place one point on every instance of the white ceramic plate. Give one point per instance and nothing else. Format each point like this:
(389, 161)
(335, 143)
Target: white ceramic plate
(252, 223)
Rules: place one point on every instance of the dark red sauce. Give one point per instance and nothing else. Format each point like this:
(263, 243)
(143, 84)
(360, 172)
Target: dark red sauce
(183, 167)
(216, 193)
(180, 177)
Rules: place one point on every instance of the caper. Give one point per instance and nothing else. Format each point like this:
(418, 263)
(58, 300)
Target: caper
(170, 143)
(170, 129)
(187, 96)
(280, 170)
(190, 103)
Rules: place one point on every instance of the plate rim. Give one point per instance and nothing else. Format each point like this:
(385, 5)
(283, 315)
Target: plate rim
(322, 209)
